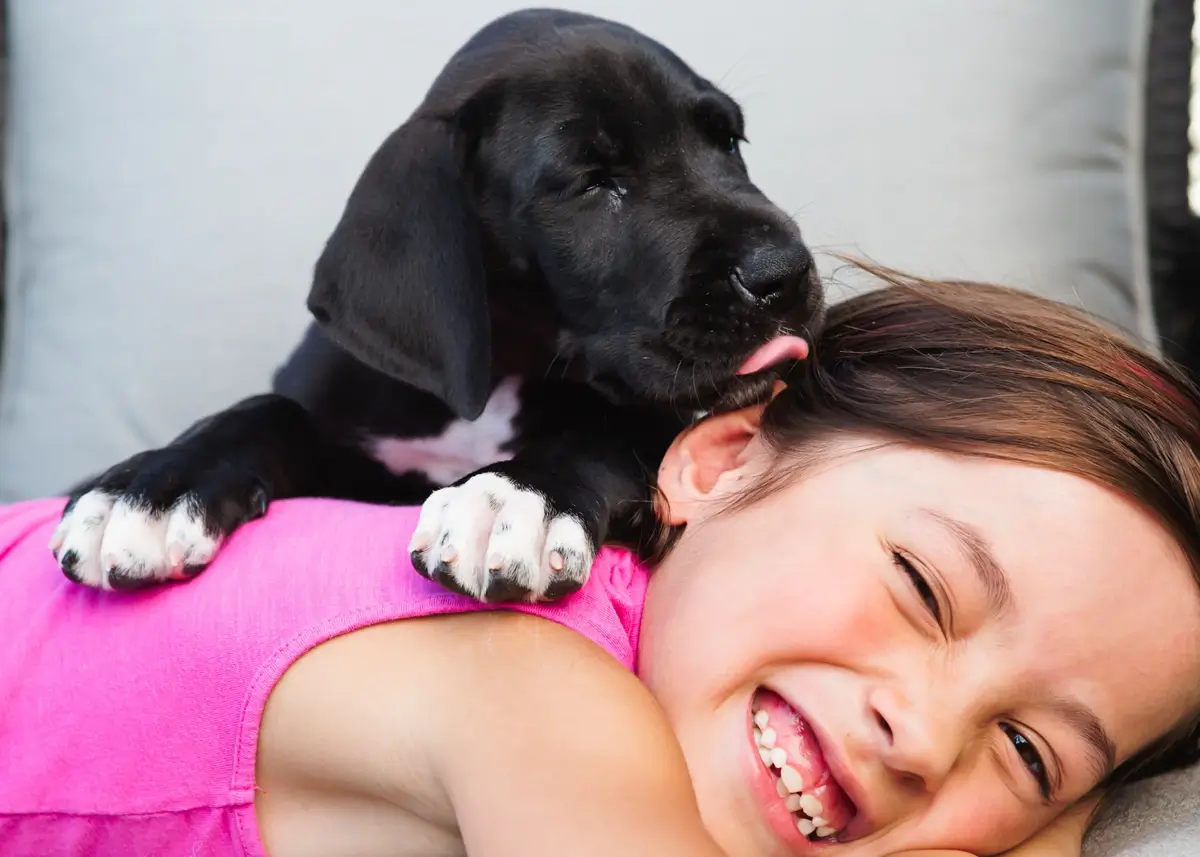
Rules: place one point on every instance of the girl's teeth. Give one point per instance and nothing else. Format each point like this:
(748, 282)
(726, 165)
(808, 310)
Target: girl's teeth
(790, 783)
(791, 778)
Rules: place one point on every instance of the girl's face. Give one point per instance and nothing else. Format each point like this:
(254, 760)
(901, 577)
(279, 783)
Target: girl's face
(920, 650)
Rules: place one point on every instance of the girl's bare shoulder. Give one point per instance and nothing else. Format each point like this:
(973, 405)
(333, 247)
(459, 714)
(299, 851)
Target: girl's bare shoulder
(437, 729)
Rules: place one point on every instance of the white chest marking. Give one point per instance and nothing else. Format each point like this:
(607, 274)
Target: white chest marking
(462, 448)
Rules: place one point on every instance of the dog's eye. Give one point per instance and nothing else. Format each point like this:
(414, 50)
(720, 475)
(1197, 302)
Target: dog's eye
(601, 180)
(729, 142)
(721, 123)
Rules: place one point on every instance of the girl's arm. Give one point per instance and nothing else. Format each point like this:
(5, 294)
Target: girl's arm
(514, 732)
(571, 754)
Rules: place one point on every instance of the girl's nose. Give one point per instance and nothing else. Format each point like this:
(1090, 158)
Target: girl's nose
(919, 741)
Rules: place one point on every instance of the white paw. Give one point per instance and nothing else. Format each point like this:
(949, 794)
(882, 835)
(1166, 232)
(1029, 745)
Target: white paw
(107, 542)
(497, 542)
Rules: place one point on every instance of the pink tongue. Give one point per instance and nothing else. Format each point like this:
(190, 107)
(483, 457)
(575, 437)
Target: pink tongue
(773, 352)
(795, 736)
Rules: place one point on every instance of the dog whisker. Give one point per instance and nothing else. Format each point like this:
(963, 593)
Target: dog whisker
(554, 362)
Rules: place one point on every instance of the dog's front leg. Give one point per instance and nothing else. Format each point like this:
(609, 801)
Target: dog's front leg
(528, 529)
(162, 514)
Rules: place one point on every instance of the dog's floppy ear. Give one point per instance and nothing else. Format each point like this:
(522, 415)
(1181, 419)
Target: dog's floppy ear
(401, 282)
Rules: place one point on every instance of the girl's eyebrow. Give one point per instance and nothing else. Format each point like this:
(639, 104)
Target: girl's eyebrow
(1084, 721)
(982, 560)
(995, 582)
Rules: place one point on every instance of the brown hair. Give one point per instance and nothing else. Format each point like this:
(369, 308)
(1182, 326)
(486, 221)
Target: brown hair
(990, 371)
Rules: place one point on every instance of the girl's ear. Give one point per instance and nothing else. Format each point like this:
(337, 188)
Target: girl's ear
(709, 460)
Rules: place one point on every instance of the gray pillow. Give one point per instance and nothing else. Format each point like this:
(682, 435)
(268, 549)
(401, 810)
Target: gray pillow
(1157, 818)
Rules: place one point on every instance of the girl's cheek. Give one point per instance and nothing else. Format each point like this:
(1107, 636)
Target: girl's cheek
(873, 620)
(956, 817)
(852, 608)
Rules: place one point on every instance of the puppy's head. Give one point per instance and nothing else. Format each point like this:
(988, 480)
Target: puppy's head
(571, 171)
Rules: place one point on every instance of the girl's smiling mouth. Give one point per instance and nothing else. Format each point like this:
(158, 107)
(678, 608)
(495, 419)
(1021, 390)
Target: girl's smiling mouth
(808, 802)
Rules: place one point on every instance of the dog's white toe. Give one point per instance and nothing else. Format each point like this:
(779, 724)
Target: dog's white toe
(189, 545)
(134, 546)
(76, 540)
(568, 552)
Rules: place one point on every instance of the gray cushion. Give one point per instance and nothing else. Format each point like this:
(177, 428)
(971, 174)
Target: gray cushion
(1157, 818)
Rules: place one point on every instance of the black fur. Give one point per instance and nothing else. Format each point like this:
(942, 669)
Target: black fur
(569, 205)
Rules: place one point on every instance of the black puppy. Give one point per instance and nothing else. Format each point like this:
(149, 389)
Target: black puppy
(539, 279)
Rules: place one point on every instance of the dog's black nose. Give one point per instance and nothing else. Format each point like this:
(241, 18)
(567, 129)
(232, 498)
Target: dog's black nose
(767, 271)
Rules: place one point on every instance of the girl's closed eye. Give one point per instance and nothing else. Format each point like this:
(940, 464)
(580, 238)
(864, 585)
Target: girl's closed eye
(920, 584)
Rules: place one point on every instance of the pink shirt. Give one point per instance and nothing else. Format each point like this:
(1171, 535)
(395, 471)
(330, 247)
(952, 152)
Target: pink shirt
(129, 723)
